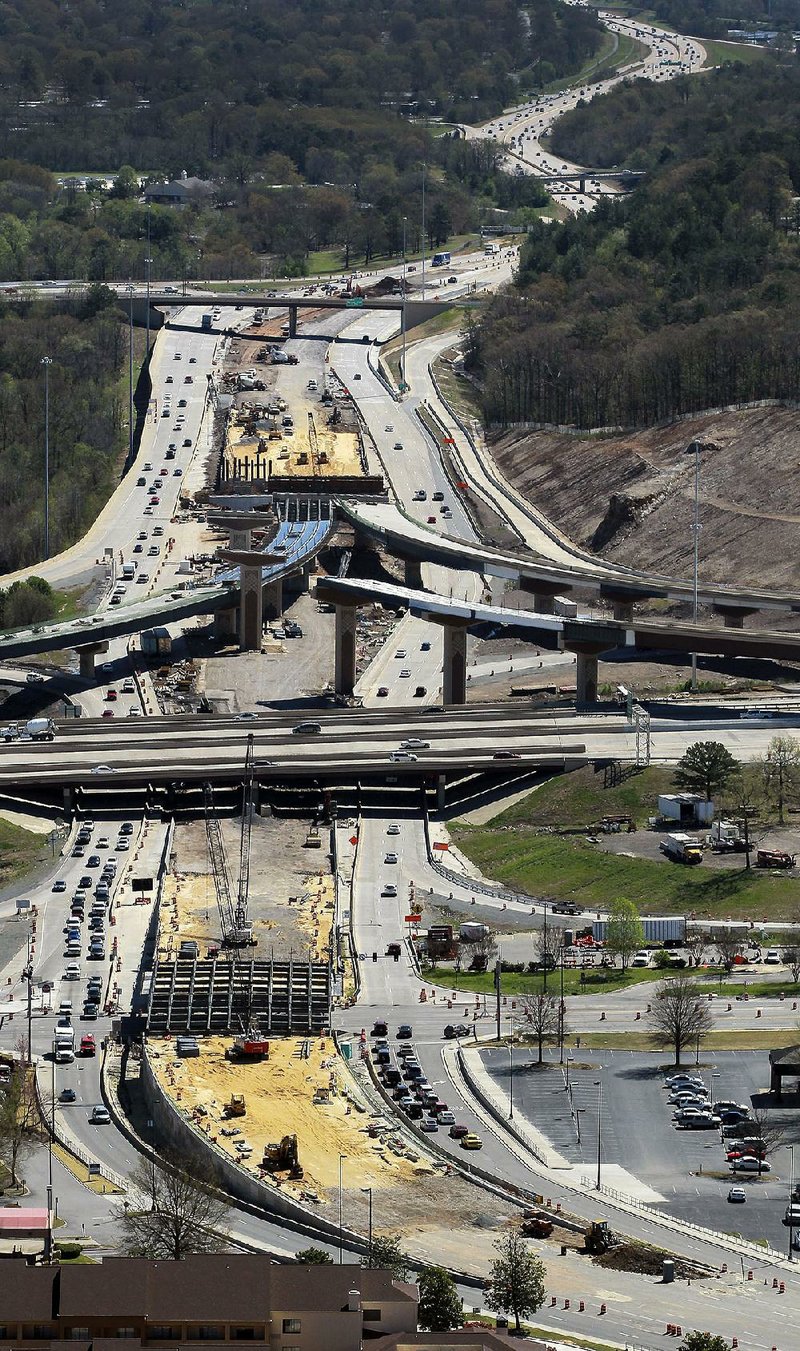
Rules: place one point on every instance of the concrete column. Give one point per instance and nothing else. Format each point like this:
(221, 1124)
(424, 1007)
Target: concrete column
(733, 616)
(441, 792)
(239, 539)
(412, 568)
(731, 620)
(225, 624)
(87, 655)
(305, 578)
(251, 609)
(544, 593)
(454, 664)
(292, 321)
(273, 599)
(544, 603)
(622, 610)
(345, 657)
(586, 677)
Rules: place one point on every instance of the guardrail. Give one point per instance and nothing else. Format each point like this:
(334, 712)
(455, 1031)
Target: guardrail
(68, 1142)
(470, 883)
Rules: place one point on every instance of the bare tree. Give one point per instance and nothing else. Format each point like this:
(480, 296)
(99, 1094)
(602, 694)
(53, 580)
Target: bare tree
(679, 1014)
(781, 769)
(481, 951)
(179, 1212)
(729, 943)
(542, 1019)
(547, 945)
(696, 945)
(20, 1122)
(768, 1130)
(791, 956)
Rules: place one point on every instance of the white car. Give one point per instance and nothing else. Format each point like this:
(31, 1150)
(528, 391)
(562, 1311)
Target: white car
(72, 971)
(100, 1116)
(401, 653)
(773, 957)
(402, 755)
(750, 1165)
(393, 829)
(391, 857)
(415, 743)
(389, 890)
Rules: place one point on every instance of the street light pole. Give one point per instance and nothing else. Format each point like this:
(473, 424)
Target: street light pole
(423, 231)
(578, 1111)
(511, 1073)
(561, 1009)
(47, 363)
(368, 1190)
(148, 261)
(342, 1157)
(696, 533)
(130, 290)
(599, 1085)
(791, 1199)
(403, 311)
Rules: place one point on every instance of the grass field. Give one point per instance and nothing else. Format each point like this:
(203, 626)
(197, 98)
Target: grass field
(514, 851)
(20, 850)
(717, 53)
(598, 980)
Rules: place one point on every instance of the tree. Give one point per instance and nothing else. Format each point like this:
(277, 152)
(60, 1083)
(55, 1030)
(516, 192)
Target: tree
(706, 768)
(704, 1341)
(541, 1019)
(781, 769)
(387, 1254)
(768, 1129)
(180, 1212)
(624, 930)
(791, 957)
(19, 1119)
(679, 1014)
(696, 945)
(547, 946)
(516, 1279)
(729, 944)
(313, 1257)
(439, 1303)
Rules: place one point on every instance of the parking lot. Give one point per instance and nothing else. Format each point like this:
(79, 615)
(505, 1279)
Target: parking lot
(638, 1135)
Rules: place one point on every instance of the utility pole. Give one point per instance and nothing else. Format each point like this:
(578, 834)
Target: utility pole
(497, 994)
(47, 363)
(423, 230)
(130, 290)
(368, 1190)
(342, 1157)
(148, 262)
(599, 1085)
(404, 382)
(695, 446)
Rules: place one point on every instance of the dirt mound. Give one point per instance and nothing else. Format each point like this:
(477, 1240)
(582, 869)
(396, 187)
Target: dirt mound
(648, 1261)
(630, 497)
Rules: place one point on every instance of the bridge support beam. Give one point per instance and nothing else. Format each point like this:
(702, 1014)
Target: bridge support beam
(622, 600)
(87, 654)
(292, 321)
(412, 571)
(586, 678)
(224, 623)
(441, 792)
(454, 664)
(251, 609)
(733, 616)
(273, 599)
(345, 651)
(622, 610)
(544, 593)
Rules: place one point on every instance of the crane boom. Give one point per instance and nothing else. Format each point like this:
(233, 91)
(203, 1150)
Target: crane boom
(243, 889)
(219, 864)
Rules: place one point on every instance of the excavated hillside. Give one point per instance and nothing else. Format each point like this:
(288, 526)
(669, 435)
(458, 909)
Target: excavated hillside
(630, 498)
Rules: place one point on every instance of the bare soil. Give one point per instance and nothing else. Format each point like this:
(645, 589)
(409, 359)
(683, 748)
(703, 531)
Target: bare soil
(630, 497)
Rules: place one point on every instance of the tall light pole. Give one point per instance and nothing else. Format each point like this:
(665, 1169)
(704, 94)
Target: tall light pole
(599, 1086)
(511, 1072)
(130, 290)
(342, 1157)
(561, 1008)
(368, 1190)
(695, 446)
(403, 311)
(791, 1199)
(423, 230)
(47, 363)
(148, 263)
(578, 1111)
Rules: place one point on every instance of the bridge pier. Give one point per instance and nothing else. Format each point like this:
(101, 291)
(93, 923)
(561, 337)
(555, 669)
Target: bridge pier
(622, 600)
(251, 608)
(441, 792)
(292, 321)
(412, 572)
(273, 599)
(224, 623)
(544, 593)
(733, 616)
(586, 678)
(454, 663)
(587, 648)
(345, 650)
(87, 653)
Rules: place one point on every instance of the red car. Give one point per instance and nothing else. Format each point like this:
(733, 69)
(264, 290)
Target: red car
(154, 501)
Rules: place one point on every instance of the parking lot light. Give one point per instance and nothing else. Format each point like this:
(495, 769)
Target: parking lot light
(599, 1086)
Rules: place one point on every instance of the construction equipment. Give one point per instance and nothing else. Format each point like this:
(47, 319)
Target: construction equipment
(774, 858)
(535, 1225)
(313, 840)
(248, 1048)
(282, 1157)
(237, 930)
(236, 1106)
(598, 1238)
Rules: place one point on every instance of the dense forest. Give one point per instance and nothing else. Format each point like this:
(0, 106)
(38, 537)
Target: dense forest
(88, 343)
(684, 295)
(713, 18)
(310, 124)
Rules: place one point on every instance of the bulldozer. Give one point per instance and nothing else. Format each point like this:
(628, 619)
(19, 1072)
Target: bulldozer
(598, 1238)
(535, 1225)
(236, 1106)
(282, 1157)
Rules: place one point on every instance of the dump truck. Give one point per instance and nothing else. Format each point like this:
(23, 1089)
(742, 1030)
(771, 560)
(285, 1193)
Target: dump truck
(682, 848)
(248, 1048)
(282, 1157)
(536, 1225)
(774, 858)
(236, 1106)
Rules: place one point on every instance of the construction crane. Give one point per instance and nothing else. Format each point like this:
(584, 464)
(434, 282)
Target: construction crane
(237, 931)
